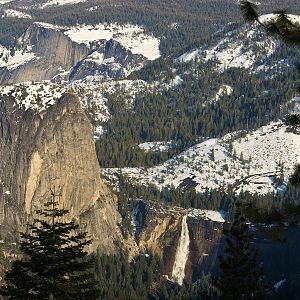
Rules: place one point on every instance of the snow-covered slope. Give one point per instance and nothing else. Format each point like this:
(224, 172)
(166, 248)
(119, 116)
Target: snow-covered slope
(130, 36)
(61, 2)
(16, 59)
(37, 96)
(109, 51)
(234, 50)
(15, 14)
(238, 47)
(261, 161)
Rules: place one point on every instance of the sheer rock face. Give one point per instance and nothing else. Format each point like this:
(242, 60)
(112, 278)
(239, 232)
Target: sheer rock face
(109, 60)
(54, 56)
(40, 152)
(53, 53)
(161, 236)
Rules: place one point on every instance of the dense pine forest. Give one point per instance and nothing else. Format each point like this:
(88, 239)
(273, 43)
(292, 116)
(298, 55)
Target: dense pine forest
(185, 113)
(52, 258)
(193, 21)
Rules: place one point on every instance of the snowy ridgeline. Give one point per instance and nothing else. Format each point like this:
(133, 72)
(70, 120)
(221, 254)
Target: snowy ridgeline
(131, 37)
(260, 161)
(234, 50)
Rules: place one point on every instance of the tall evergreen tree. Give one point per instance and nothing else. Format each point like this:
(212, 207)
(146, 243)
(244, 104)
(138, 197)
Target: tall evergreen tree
(54, 264)
(241, 277)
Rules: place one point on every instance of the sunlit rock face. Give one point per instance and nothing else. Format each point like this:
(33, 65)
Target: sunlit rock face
(187, 241)
(51, 150)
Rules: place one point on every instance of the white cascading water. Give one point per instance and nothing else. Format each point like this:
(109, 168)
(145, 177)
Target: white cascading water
(182, 253)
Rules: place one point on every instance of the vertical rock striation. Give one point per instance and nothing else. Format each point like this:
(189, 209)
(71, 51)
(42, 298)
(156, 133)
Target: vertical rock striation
(187, 243)
(53, 52)
(55, 149)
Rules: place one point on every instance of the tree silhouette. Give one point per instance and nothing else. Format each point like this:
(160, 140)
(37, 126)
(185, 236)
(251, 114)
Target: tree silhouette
(241, 277)
(280, 25)
(54, 264)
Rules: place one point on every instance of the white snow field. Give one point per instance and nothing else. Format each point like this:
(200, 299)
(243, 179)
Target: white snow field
(61, 2)
(130, 36)
(253, 163)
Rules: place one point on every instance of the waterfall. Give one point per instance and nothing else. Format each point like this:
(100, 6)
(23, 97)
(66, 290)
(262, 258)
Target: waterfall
(182, 253)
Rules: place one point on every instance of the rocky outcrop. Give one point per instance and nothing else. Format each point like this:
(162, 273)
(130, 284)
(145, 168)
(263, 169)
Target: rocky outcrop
(40, 152)
(48, 54)
(109, 61)
(53, 53)
(162, 234)
(206, 244)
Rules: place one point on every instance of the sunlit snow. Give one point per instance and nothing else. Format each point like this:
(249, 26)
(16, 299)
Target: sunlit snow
(61, 2)
(15, 14)
(255, 163)
(131, 37)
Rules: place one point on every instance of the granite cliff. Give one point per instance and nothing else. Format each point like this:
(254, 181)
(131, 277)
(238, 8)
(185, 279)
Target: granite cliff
(49, 52)
(54, 149)
(45, 52)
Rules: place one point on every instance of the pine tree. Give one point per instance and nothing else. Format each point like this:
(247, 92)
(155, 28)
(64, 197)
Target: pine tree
(241, 277)
(281, 25)
(54, 264)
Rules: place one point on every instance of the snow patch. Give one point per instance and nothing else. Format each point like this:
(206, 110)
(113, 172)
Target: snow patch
(156, 146)
(130, 36)
(216, 216)
(61, 2)
(271, 17)
(225, 90)
(15, 14)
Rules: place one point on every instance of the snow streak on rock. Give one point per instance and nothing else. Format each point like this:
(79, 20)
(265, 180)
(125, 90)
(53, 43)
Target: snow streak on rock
(182, 254)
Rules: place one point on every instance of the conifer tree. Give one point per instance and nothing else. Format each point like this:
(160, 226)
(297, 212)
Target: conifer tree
(54, 264)
(281, 25)
(241, 277)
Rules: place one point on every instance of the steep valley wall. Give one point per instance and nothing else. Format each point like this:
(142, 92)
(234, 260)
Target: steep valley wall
(55, 149)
